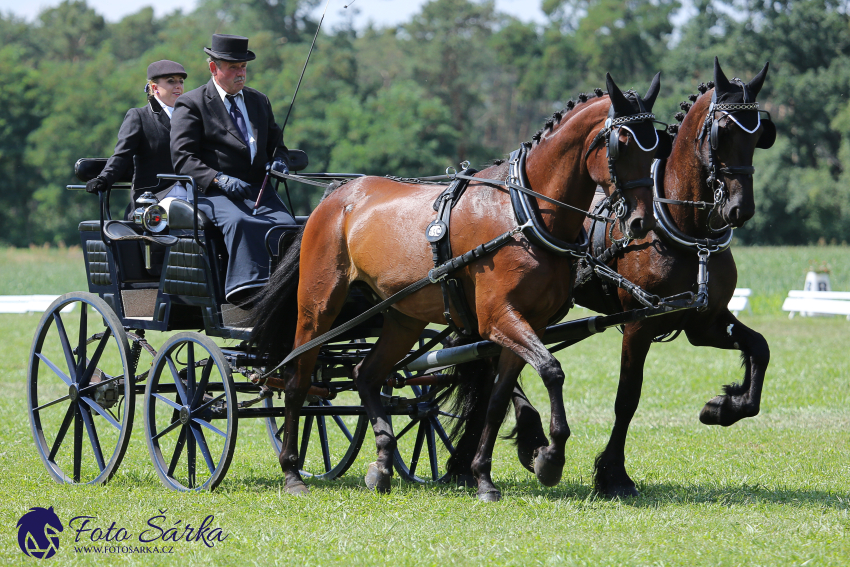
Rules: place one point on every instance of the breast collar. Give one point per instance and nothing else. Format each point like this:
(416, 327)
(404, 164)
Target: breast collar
(526, 209)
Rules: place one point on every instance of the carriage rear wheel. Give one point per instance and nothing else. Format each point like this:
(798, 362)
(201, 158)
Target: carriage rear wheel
(80, 393)
(331, 432)
(422, 434)
(190, 413)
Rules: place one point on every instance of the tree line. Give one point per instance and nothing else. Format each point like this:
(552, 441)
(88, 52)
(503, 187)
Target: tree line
(458, 81)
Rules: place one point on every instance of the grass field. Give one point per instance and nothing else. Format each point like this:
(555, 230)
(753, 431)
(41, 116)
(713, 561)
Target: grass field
(772, 490)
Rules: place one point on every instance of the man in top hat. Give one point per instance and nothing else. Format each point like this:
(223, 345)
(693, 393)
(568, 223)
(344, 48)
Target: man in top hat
(223, 134)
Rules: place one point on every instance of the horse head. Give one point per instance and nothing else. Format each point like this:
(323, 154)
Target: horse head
(631, 143)
(732, 127)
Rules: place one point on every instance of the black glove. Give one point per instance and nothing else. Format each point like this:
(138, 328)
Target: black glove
(97, 185)
(278, 165)
(234, 188)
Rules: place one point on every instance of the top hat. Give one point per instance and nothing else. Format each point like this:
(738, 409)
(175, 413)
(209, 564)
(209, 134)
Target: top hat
(230, 48)
(165, 68)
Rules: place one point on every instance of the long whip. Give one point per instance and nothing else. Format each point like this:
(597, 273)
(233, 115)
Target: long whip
(291, 104)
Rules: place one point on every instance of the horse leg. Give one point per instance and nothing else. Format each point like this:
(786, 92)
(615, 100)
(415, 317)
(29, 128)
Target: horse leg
(610, 476)
(508, 371)
(519, 337)
(398, 334)
(738, 400)
(528, 432)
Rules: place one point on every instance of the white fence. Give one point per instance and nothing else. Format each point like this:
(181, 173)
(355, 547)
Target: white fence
(817, 303)
(28, 303)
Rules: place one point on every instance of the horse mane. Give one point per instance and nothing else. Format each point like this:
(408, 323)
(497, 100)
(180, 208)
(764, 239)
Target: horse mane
(554, 122)
(686, 105)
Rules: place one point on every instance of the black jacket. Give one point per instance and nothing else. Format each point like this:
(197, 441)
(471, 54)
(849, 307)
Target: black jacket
(204, 139)
(143, 144)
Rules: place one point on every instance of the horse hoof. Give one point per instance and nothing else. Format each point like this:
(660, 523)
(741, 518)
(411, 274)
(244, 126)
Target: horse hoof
(547, 472)
(720, 411)
(297, 489)
(378, 479)
(490, 496)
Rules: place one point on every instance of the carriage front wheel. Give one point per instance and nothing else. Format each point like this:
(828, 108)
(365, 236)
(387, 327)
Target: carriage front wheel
(80, 392)
(191, 413)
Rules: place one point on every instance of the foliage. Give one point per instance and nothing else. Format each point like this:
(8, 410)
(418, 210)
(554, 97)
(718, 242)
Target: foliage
(458, 81)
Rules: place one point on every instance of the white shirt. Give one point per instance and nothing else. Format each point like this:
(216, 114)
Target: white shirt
(240, 102)
(169, 110)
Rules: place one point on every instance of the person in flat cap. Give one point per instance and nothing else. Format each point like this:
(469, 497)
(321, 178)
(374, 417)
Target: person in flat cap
(224, 135)
(145, 136)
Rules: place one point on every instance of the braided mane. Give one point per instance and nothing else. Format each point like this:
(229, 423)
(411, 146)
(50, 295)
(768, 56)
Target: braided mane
(686, 105)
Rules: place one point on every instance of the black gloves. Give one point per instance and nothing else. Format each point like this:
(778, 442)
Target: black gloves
(278, 165)
(232, 187)
(97, 185)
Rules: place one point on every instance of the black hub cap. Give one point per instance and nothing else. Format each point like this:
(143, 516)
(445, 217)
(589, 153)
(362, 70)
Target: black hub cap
(184, 415)
(73, 392)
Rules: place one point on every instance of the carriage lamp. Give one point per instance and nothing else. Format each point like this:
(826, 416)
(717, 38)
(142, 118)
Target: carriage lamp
(150, 214)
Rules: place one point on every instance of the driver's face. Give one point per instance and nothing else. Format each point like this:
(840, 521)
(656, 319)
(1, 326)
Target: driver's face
(230, 76)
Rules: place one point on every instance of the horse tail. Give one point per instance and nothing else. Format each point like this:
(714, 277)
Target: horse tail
(276, 310)
(468, 399)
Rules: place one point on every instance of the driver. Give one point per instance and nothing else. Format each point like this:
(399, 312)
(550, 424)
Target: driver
(223, 134)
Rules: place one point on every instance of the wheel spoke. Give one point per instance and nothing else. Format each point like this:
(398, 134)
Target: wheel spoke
(78, 441)
(96, 407)
(55, 369)
(181, 388)
(66, 347)
(408, 427)
(417, 448)
(323, 440)
(438, 427)
(191, 456)
(48, 404)
(305, 440)
(81, 340)
(190, 372)
(202, 385)
(95, 442)
(167, 430)
(343, 428)
(201, 409)
(178, 449)
(95, 359)
(210, 426)
(432, 451)
(60, 435)
(202, 445)
(168, 402)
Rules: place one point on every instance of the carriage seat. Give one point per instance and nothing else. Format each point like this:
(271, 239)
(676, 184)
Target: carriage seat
(87, 169)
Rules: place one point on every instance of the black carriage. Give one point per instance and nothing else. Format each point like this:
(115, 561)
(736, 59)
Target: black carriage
(163, 272)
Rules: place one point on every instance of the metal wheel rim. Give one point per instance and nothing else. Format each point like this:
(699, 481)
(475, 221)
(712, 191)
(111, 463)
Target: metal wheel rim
(197, 423)
(85, 411)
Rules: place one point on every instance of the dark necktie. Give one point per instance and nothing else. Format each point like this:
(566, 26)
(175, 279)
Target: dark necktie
(238, 119)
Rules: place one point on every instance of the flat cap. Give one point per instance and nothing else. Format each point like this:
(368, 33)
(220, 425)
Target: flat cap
(165, 68)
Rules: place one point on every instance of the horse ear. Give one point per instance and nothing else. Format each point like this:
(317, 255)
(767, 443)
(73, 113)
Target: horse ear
(652, 93)
(721, 83)
(756, 84)
(618, 100)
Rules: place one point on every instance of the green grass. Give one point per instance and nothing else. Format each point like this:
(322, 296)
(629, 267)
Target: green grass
(772, 490)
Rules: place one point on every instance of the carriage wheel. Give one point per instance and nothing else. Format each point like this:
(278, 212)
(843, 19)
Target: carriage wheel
(423, 436)
(80, 397)
(328, 444)
(190, 413)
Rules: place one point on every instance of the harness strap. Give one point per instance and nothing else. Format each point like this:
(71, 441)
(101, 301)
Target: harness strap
(434, 276)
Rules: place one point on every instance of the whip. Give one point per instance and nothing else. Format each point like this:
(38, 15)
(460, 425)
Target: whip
(291, 104)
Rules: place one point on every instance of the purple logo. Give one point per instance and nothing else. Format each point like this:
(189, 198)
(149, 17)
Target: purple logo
(38, 533)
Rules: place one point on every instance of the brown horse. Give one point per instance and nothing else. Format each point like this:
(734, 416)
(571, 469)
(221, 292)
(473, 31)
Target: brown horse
(707, 179)
(372, 231)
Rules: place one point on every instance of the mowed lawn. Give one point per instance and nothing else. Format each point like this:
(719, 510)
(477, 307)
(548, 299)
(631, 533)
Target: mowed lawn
(772, 490)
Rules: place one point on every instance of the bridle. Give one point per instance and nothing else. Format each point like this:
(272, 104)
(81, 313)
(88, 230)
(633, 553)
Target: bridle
(711, 125)
(616, 202)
